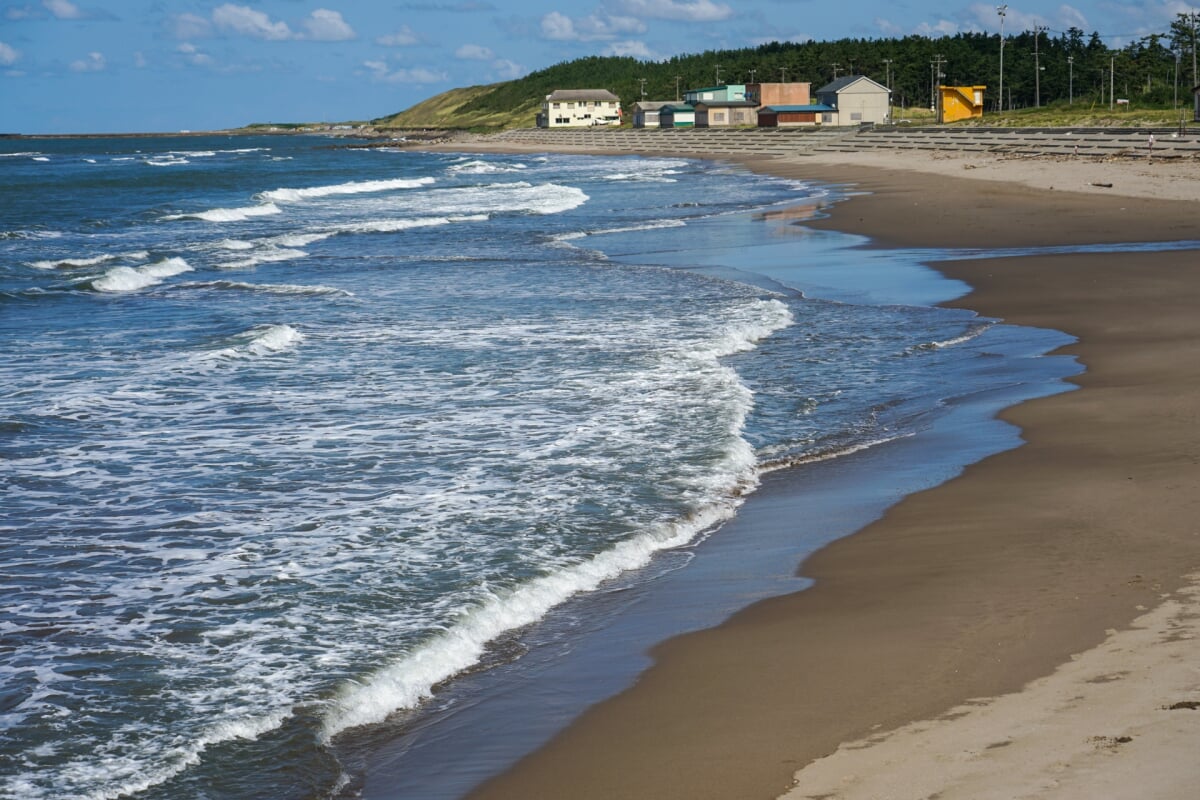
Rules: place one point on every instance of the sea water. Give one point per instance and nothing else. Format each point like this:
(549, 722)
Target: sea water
(291, 433)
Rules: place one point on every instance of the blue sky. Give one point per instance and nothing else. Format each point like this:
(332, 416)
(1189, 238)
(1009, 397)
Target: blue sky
(150, 65)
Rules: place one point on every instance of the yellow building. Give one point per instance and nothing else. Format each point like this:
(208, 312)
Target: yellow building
(961, 102)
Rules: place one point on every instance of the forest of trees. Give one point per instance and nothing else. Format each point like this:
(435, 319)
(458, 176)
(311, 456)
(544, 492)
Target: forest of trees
(1040, 67)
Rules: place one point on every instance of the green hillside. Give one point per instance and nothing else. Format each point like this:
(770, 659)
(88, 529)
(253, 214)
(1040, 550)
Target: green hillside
(1073, 65)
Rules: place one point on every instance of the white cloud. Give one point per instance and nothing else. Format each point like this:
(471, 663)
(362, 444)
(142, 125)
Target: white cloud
(401, 38)
(63, 9)
(194, 56)
(474, 52)
(139, 60)
(324, 25)
(189, 26)
(248, 22)
(506, 70)
(8, 55)
(942, 27)
(598, 26)
(93, 63)
(1016, 21)
(681, 10)
(630, 48)
(380, 72)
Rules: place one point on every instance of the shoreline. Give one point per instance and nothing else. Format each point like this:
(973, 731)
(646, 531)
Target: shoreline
(971, 589)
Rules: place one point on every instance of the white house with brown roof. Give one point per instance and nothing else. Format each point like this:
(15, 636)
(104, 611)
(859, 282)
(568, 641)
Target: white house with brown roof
(579, 108)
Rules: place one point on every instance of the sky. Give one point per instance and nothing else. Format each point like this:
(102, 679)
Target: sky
(105, 66)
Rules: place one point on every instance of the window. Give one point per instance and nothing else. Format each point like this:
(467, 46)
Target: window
(827, 118)
(558, 105)
(856, 116)
(718, 116)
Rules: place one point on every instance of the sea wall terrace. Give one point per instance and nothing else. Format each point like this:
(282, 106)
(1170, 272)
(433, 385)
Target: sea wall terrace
(1025, 142)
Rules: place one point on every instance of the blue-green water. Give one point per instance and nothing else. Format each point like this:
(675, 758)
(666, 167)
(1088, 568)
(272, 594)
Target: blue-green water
(290, 432)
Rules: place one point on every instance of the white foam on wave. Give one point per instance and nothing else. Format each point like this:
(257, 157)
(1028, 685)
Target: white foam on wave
(73, 263)
(973, 333)
(269, 288)
(229, 214)
(266, 255)
(518, 197)
(410, 680)
(261, 340)
(40, 158)
(131, 279)
(647, 226)
(235, 244)
(484, 168)
(353, 187)
(124, 776)
(397, 225)
(169, 161)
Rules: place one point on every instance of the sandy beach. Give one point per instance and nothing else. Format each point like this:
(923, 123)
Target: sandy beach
(1025, 630)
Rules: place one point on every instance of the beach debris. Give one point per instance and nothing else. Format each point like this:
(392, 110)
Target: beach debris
(1102, 185)
(1190, 705)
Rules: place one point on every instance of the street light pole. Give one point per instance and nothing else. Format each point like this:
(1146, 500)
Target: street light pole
(1002, 10)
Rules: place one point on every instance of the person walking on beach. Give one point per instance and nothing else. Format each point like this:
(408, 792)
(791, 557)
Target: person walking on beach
(1150, 148)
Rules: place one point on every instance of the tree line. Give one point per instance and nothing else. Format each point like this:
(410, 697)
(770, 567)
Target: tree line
(1039, 67)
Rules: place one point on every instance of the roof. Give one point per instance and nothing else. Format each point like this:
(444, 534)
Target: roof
(677, 108)
(573, 95)
(727, 104)
(721, 88)
(652, 105)
(841, 83)
(793, 109)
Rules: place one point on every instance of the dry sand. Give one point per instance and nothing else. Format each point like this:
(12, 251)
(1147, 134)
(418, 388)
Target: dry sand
(1054, 577)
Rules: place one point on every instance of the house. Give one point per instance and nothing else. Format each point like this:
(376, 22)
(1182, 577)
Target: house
(856, 99)
(961, 102)
(645, 112)
(793, 116)
(725, 93)
(780, 94)
(726, 113)
(579, 108)
(677, 115)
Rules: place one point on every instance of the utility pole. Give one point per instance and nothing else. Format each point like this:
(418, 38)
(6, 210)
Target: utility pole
(753, 72)
(836, 66)
(1194, 81)
(887, 72)
(678, 78)
(642, 81)
(1037, 67)
(1071, 79)
(936, 67)
(783, 74)
(1112, 65)
(718, 74)
(1002, 10)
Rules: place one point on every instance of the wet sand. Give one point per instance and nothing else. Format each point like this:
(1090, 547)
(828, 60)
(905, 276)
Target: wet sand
(979, 586)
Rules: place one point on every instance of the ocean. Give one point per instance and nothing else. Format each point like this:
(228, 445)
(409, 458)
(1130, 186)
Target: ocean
(295, 438)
